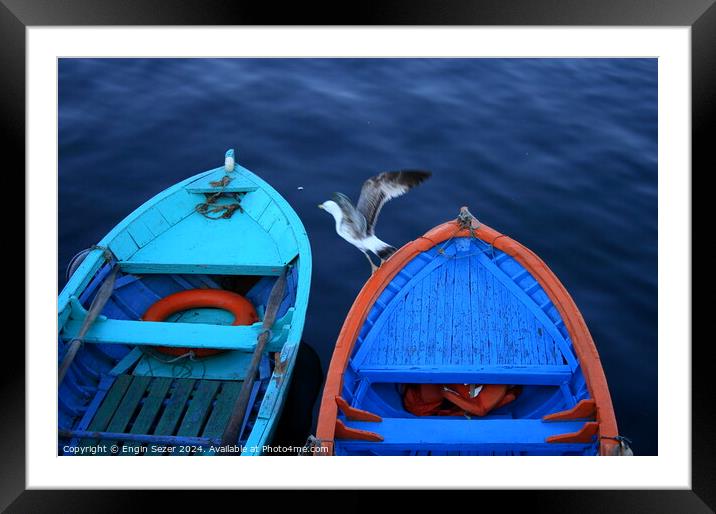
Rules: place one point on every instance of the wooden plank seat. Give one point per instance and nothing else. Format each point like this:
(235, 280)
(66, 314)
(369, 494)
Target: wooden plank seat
(489, 374)
(141, 411)
(180, 335)
(199, 245)
(448, 434)
(173, 334)
(239, 183)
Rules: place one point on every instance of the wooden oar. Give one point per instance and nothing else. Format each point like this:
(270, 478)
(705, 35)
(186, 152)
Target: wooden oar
(98, 303)
(231, 433)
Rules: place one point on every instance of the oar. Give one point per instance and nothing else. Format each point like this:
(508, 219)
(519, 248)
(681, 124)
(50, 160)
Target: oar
(98, 303)
(231, 433)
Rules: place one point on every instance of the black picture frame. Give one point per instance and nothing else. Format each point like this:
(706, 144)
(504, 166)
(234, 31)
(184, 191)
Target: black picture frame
(700, 15)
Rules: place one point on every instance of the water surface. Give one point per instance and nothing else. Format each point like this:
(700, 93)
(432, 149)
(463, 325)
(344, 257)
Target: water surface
(560, 154)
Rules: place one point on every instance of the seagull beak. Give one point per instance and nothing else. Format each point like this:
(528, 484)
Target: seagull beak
(320, 206)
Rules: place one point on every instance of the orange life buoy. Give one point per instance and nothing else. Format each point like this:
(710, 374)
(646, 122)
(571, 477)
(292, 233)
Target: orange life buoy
(244, 313)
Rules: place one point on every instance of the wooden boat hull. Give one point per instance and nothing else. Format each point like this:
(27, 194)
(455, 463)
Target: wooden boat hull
(119, 390)
(473, 306)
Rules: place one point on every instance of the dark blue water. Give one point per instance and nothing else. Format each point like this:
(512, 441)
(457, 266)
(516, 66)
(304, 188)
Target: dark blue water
(559, 154)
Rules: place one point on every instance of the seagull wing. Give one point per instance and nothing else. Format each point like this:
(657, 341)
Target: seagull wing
(379, 189)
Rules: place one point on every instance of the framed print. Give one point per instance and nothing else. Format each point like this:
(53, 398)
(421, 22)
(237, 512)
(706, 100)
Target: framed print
(529, 289)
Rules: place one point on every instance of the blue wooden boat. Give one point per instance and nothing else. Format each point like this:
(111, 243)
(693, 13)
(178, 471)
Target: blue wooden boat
(464, 304)
(171, 387)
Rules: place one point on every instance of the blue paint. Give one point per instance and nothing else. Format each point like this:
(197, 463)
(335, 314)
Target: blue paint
(464, 312)
(560, 154)
(463, 435)
(163, 247)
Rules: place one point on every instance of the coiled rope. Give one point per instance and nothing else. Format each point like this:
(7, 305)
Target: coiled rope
(464, 221)
(223, 210)
(184, 363)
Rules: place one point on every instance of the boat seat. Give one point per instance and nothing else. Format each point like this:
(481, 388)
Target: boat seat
(495, 374)
(177, 335)
(453, 433)
(199, 245)
(159, 409)
(240, 183)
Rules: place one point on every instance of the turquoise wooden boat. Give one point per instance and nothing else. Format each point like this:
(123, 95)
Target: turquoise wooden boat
(171, 386)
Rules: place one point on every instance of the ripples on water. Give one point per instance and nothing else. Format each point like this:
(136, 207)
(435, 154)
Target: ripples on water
(559, 154)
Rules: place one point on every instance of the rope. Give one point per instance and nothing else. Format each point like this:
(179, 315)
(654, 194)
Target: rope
(464, 222)
(312, 443)
(624, 444)
(465, 219)
(80, 256)
(190, 354)
(182, 362)
(209, 207)
(106, 251)
(619, 438)
(492, 244)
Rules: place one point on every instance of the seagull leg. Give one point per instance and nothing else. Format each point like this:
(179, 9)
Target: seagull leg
(373, 267)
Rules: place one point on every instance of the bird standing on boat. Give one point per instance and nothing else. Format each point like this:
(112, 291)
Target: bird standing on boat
(357, 224)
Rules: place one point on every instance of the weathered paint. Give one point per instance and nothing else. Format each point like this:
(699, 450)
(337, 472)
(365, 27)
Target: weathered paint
(497, 309)
(166, 237)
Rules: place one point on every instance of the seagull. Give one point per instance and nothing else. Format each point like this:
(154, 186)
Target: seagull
(356, 224)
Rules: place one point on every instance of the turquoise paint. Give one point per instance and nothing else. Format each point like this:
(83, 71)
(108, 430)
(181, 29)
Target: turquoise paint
(160, 237)
(176, 335)
(231, 365)
(240, 183)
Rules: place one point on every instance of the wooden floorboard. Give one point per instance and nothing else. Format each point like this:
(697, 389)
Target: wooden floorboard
(127, 408)
(175, 408)
(106, 410)
(460, 314)
(198, 409)
(150, 409)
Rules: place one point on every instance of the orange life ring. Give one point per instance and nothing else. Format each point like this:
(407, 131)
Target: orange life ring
(244, 313)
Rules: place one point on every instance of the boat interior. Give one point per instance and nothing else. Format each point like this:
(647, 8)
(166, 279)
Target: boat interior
(464, 312)
(120, 383)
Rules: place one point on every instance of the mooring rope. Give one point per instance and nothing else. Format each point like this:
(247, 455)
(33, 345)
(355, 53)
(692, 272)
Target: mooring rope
(80, 256)
(465, 219)
(624, 447)
(464, 222)
(210, 206)
(312, 443)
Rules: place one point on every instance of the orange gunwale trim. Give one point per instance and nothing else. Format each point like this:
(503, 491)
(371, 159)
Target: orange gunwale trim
(582, 340)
